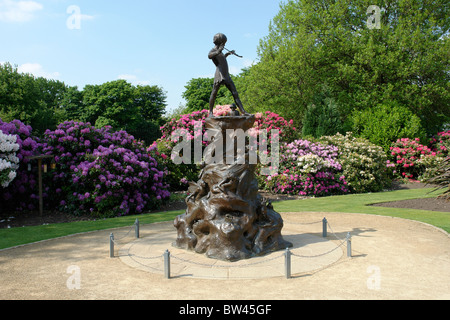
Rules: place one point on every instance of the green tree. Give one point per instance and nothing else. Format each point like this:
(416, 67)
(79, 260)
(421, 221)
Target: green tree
(198, 91)
(311, 43)
(137, 110)
(322, 119)
(197, 94)
(150, 101)
(72, 104)
(34, 101)
(44, 103)
(111, 100)
(52, 95)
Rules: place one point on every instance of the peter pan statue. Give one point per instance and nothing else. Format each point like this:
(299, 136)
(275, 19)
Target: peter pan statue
(222, 76)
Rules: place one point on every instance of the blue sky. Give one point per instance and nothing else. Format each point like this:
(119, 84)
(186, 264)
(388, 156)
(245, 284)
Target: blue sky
(162, 43)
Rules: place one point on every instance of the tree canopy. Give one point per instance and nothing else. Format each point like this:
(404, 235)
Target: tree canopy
(29, 99)
(44, 103)
(198, 91)
(315, 43)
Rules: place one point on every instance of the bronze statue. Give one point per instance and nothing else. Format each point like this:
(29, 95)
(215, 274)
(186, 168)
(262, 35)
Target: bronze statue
(222, 76)
(226, 217)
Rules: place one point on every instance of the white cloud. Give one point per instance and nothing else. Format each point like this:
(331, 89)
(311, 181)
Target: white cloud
(18, 11)
(234, 70)
(247, 63)
(133, 79)
(127, 77)
(250, 35)
(37, 70)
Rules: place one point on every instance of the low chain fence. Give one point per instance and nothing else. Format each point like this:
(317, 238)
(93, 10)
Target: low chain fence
(288, 254)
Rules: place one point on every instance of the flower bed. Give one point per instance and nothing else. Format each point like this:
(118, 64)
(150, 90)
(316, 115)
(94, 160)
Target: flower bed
(441, 143)
(416, 161)
(365, 166)
(411, 158)
(102, 172)
(20, 194)
(9, 162)
(307, 169)
(184, 126)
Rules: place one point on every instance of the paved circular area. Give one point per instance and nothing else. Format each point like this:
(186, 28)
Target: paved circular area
(309, 253)
(392, 259)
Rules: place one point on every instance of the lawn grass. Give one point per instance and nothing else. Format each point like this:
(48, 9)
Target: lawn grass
(355, 203)
(360, 203)
(19, 236)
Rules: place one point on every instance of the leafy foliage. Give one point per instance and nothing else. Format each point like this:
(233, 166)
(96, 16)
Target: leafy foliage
(442, 178)
(312, 43)
(34, 101)
(135, 109)
(44, 103)
(322, 118)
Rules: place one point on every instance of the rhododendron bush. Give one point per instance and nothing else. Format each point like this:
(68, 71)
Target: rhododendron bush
(441, 143)
(410, 157)
(21, 193)
(9, 162)
(414, 160)
(307, 169)
(102, 172)
(365, 166)
(185, 126)
(98, 171)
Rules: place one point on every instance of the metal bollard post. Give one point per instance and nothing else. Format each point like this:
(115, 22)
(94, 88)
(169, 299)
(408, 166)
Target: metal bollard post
(349, 245)
(136, 228)
(287, 263)
(111, 245)
(167, 264)
(324, 227)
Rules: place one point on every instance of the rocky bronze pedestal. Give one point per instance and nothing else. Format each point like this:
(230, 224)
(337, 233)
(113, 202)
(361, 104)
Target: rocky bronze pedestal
(226, 217)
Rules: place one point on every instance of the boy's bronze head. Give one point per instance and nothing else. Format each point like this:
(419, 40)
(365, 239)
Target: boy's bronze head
(219, 39)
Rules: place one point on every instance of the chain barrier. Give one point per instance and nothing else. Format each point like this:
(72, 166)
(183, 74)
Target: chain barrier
(305, 223)
(116, 241)
(131, 255)
(321, 254)
(145, 265)
(214, 265)
(226, 266)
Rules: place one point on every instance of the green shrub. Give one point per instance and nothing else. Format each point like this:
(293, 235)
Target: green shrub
(385, 124)
(442, 178)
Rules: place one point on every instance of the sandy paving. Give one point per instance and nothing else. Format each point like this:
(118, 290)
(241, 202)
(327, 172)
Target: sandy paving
(392, 259)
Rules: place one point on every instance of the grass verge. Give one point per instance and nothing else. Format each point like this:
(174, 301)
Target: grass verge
(19, 236)
(356, 203)
(360, 203)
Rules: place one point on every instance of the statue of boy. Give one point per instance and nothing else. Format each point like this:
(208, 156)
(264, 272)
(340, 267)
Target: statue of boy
(222, 76)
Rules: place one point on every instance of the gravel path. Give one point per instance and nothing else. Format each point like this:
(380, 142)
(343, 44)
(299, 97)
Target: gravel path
(392, 259)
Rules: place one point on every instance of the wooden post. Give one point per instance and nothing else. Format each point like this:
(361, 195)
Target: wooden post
(41, 201)
(39, 160)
